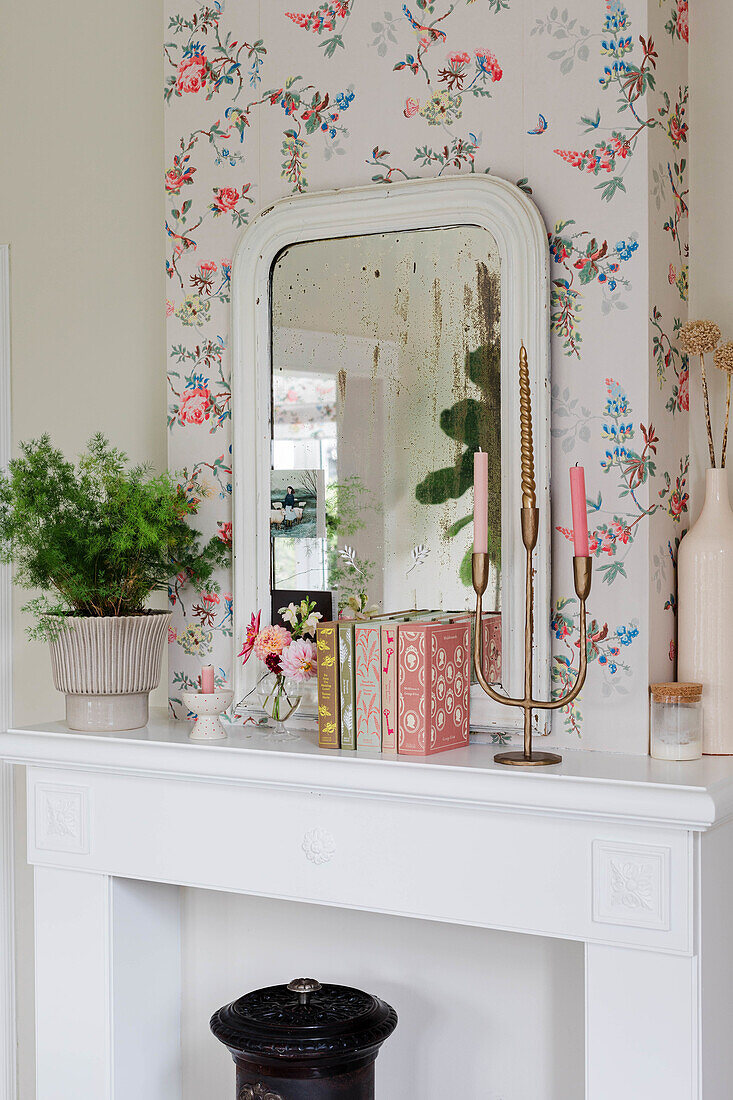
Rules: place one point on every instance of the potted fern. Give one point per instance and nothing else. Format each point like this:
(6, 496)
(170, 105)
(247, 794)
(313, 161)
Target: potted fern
(97, 539)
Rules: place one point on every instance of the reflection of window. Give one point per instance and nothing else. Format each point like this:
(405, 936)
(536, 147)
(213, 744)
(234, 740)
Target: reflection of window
(304, 406)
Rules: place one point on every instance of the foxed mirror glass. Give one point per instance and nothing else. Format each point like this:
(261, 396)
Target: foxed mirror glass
(386, 371)
(377, 333)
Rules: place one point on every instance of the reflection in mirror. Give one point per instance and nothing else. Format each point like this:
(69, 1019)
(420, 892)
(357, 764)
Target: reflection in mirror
(386, 377)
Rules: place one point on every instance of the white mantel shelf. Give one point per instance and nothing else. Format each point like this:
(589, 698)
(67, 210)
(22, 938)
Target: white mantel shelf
(694, 795)
(631, 856)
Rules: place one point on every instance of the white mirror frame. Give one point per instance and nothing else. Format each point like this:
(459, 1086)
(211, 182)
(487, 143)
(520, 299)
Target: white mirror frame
(517, 227)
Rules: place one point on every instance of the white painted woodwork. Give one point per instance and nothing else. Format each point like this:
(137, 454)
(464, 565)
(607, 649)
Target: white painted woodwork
(108, 988)
(521, 238)
(626, 854)
(642, 1026)
(8, 1056)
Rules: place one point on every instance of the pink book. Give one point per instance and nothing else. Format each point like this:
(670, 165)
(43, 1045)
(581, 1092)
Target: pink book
(367, 651)
(434, 687)
(389, 687)
(491, 641)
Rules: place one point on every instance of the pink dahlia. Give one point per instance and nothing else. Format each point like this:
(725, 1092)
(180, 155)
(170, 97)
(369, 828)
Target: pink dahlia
(271, 641)
(249, 642)
(299, 660)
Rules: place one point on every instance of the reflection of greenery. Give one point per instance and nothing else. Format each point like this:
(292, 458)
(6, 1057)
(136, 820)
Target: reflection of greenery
(346, 503)
(476, 423)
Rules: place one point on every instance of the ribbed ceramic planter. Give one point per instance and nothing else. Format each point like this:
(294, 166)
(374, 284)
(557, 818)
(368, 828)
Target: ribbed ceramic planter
(107, 667)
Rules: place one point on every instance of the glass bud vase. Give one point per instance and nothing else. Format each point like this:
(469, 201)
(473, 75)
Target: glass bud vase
(705, 616)
(279, 698)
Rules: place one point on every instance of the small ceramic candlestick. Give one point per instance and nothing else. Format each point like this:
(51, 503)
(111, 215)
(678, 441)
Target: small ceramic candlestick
(207, 706)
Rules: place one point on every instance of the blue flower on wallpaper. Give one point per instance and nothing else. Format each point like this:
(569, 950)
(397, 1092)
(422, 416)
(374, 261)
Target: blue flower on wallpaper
(616, 17)
(617, 403)
(618, 433)
(617, 71)
(614, 458)
(193, 49)
(626, 249)
(626, 634)
(345, 99)
(616, 45)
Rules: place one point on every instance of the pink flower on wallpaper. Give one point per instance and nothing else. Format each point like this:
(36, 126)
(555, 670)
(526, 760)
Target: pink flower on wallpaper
(677, 130)
(175, 179)
(208, 266)
(195, 405)
(225, 533)
(682, 21)
(225, 199)
(298, 660)
(170, 307)
(672, 275)
(191, 73)
(487, 62)
(459, 58)
(683, 393)
(412, 106)
(620, 531)
(677, 503)
(172, 635)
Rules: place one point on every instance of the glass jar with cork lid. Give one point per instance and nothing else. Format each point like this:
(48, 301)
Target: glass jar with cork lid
(676, 721)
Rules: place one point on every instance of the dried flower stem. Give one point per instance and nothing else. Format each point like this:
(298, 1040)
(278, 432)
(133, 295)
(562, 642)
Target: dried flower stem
(706, 400)
(727, 417)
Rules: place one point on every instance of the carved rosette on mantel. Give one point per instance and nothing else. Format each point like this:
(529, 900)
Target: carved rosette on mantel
(705, 594)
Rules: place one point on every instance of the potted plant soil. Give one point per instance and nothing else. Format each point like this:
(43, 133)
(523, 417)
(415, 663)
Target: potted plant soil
(97, 539)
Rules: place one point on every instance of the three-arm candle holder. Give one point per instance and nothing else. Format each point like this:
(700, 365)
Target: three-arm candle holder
(582, 577)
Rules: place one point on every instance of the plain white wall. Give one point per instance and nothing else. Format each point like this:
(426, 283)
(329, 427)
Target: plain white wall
(81, 205)
(483, 1015)
(82, 208)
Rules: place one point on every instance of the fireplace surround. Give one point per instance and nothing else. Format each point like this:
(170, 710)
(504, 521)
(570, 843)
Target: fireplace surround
(626, 854)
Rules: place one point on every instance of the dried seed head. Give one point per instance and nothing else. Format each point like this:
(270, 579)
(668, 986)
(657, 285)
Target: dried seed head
(723, 357)
(698, 337)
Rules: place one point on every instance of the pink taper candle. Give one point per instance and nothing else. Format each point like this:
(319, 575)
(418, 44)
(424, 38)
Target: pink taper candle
(207, 679)
(580, 513)
(480, 502)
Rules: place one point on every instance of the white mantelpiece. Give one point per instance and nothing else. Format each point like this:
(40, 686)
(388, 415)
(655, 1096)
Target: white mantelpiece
(629, 855)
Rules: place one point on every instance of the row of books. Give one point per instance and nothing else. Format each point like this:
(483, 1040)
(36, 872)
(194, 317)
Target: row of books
(401, 683)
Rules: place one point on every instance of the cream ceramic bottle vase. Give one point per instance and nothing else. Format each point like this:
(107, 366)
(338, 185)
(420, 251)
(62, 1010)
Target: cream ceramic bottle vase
(705, 626)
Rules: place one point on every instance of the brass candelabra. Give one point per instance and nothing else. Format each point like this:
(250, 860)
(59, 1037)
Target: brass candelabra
(581, 574)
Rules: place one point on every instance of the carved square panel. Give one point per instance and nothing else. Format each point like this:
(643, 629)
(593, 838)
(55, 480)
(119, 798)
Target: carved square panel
(62, 818)
(631, 885)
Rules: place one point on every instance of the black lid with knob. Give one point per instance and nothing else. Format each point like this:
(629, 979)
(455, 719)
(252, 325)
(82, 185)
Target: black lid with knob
(305, 1023)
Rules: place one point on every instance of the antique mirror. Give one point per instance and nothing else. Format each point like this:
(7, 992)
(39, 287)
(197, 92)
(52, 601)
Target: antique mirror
(377, 333)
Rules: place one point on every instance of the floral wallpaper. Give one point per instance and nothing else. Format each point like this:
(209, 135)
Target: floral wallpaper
(584, 106)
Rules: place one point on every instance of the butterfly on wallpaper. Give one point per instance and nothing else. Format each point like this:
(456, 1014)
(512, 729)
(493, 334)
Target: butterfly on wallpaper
(429, 32)
(540, 127)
